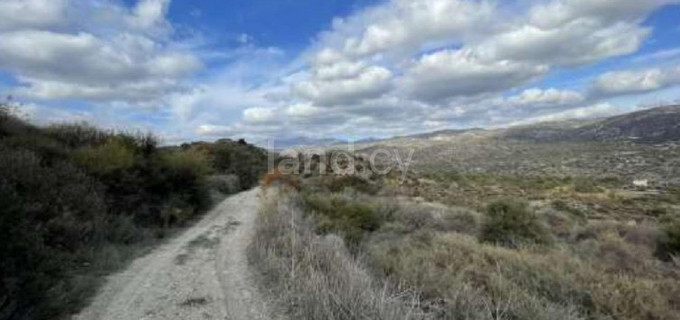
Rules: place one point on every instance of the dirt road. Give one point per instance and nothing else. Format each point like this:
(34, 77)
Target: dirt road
(201, 274)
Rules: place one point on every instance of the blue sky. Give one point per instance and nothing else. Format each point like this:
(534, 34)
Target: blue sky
(209, 69)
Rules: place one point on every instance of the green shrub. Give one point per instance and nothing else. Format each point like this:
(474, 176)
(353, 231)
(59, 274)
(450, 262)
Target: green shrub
(191, 163)
(11, 122)
(340, 215)
(123, 229)
(47, 215)
(76, 135)
(586, 186)
(246, 161)
(185, 173)
(50, 150)
(669, 240)
(510, 223)
(357, 183)
(111, 156)
(561, 205)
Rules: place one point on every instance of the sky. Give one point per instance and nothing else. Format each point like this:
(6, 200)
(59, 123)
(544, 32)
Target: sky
(344, 69)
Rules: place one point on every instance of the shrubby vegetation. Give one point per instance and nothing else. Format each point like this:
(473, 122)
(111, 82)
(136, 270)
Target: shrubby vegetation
(314, 276)
(75, 198)
(236, 158)
(511, 223)
(669, 242)
(503, 248)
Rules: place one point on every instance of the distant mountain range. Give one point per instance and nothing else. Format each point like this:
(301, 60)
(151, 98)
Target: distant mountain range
(655, 125)
(286, 143)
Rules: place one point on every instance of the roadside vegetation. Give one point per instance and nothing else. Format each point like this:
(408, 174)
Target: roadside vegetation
(78, 202)
(469, 247)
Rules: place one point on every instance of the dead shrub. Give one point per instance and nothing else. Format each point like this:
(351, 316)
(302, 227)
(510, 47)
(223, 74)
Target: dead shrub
(276, 178)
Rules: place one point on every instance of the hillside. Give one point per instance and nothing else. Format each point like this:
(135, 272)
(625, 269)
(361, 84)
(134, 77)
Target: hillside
(657, 125)
(536, 230)
(640, 145)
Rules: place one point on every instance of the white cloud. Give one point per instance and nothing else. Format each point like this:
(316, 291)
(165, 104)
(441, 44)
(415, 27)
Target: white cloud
(536, 97)
(592, 111)
(214, 130)
(578, 42)
(493, 50)
(259, 115)
(238, 130)
(339, 70)
(138, 92)
(303, 110)
(560, 12)
(449, 73)
(640, 81)
(150, 14)
(19, 14)
(119, 55)
(403, 26)
(370, 82)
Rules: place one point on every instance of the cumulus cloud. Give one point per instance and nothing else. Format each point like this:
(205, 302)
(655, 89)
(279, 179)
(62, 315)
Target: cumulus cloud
(122, 57)
(560, 12)
(487, 51)
(214, 130)
(403, 26)
(334, 87)
(19, 14)
(238, 130)
(150, 14)
(640, 81)
(579, 42)
(536, 97)
(303, 110)
(259, 115)
(406, 25)
(449, 73)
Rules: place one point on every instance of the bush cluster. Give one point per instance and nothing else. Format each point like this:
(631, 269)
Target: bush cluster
(669, 241)
(510, 223)
(335, 213)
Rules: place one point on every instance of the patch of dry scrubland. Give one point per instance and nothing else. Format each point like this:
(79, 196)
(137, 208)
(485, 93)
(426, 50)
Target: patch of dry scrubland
(343, 254)
(313, 275)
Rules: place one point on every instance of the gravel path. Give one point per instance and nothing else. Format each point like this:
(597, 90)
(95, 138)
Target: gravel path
(201, 274)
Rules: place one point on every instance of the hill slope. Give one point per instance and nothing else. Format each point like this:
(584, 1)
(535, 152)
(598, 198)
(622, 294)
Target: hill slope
(656, 125)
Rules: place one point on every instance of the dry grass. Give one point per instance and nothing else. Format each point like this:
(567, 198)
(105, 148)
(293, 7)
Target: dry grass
(315, 277)
(481, 246)
(590, 269)
(465, 277)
